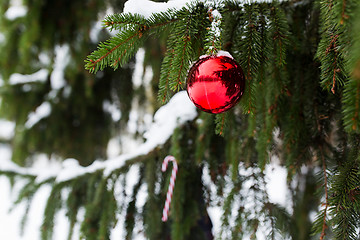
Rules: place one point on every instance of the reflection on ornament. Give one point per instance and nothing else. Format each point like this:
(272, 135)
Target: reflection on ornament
(215, 83)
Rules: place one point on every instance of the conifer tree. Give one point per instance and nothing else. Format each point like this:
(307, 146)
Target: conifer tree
(300, 106)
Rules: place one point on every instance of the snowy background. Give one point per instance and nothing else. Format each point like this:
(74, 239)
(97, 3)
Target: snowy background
(157, 128)
(10, 220)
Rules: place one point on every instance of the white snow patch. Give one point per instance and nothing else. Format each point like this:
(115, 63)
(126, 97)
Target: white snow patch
(139, 68)
(15, 12)
(113, 148)
(224, 53)
(215, 211)
(148, 75)
(62, 225)
(95, 32)
(147, 7)
(5, 153)
(256, 1)
(113, 110)
(179, 110)
(139, 231)
(7, 165)
(7, 130)
(44, 58)
(139, 120)
(129, 143)
(36, 213)
(42, 162)
(41, 112)
(51, 165)
(71, 169)
(132, 125)
(216, 14)
(10, 220)
(216, 22)
(276, 185)
(39, 76)
(141, 197)
(62, 59)
(203, 56)
(132, 177)
(118, 229)
(141, 75)
(219, 54)
(140, 117)
(9, 223)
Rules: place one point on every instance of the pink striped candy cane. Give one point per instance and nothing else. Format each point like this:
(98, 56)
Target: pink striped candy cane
(171, 185)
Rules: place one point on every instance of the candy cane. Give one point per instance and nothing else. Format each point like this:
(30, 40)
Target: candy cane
(171, 185)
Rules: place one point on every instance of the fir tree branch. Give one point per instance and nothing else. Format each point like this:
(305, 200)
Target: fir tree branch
(184, 34)
(164, 89)
(175, 64)
(331, 50)
(351, 95)
(269, 25)
(343, 15)
(351, 106)
(332, 70)
(52, 206)
(250, 55)
(232, 20)
(213, 38)
(185, 51)
(220, 120)
(133, 29)
(332, 45)
(123, 20)
(108, 52)
(279, 32)
(344, 200)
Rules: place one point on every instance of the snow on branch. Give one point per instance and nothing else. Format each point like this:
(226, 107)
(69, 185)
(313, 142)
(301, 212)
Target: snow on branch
(7, 130)
(175, 113)
(16, 11)
(39, 76)
(42, 111)
(146, 8)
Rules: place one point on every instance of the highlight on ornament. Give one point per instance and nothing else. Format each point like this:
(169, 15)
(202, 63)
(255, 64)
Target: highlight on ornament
(215, 83)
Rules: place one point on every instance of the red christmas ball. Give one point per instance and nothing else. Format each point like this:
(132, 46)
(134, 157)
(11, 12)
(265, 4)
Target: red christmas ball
(215, 83)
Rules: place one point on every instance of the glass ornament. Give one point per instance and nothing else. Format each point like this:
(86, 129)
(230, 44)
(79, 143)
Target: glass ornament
(215, 83)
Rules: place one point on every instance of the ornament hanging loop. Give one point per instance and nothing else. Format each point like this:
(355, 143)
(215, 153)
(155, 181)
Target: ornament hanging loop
(170, 191)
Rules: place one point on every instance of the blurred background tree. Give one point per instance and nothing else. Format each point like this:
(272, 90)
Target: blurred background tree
(58, 107)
